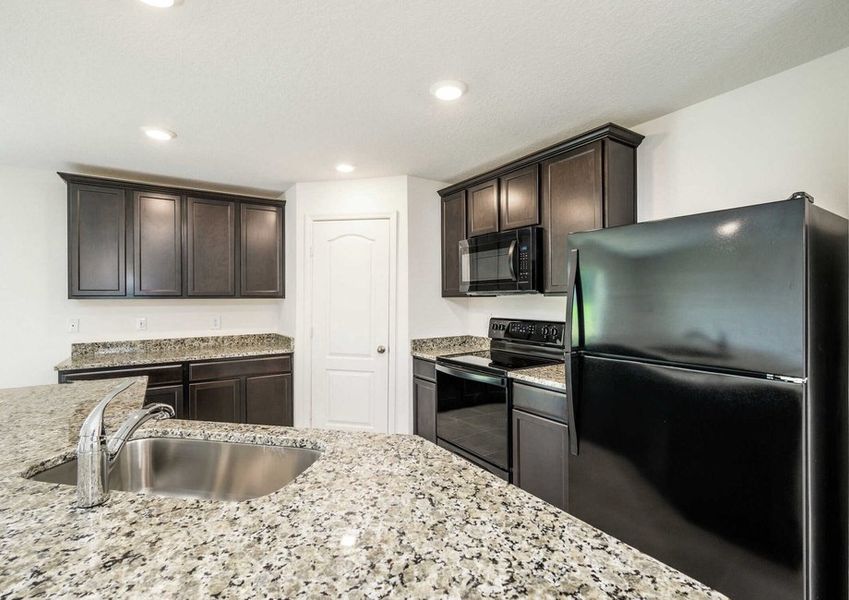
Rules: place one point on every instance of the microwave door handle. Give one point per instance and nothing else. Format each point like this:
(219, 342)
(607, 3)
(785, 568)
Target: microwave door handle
(572, 270)
(511, 259)
(465, 258)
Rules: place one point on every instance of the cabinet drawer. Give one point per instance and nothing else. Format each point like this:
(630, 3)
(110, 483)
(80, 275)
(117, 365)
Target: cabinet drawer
(237, 368)
(164, 375)
(424, 369)
(541, 402)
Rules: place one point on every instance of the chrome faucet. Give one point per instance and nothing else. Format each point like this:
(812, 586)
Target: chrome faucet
(95, 454)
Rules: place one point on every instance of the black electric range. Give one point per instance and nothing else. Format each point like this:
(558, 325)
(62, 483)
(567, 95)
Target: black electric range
(473, 391)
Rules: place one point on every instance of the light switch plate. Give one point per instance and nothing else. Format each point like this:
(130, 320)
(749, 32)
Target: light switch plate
(216, 322)
(73, 325)
(141, 323)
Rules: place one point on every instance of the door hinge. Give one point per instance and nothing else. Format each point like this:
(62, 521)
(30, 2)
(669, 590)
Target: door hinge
(787, 379)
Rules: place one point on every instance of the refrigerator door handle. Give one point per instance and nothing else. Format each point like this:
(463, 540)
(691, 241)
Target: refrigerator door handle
(572, 272)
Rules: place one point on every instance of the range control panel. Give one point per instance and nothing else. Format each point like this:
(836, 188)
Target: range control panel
(541, 332)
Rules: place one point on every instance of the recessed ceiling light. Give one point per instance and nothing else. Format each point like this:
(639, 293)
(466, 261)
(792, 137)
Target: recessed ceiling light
(448, 90)
(344, 168)
(159, 3)
(159, 134)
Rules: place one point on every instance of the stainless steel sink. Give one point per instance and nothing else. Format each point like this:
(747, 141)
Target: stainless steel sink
(186, 468)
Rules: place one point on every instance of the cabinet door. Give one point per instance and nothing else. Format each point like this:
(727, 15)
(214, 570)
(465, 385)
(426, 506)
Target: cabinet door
(216, 401)
(268, 399)
(540, 452)
(158, 251)
(97, 241)
(171, 395)
(571, 201)
(483, 208)
(453, 230)
(211, 247)
(520, 198)
(261, 250)
(424, 407)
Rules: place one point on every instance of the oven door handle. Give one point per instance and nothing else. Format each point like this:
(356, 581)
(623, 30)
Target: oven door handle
(472, 376)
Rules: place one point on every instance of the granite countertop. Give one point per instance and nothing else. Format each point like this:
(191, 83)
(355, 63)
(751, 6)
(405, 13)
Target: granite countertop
(98, 355)
(377, 515)
(432, 348)
(551, 376)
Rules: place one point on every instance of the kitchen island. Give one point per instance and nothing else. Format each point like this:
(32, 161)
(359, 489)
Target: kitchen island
(377, 515)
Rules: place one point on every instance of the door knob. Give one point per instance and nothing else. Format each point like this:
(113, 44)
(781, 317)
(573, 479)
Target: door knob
(381, 349)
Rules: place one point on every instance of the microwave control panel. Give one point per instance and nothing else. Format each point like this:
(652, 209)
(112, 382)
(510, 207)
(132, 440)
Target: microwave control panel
(524, 261)
(544, 332)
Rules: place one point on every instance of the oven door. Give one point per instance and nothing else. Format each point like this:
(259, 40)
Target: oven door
(489, 264)
(472, 414)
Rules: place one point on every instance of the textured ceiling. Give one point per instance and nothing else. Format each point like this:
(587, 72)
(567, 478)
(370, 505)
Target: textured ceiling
(263, 93)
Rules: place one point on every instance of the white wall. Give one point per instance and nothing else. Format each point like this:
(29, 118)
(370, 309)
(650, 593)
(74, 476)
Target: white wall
(352, 197)
(430, 313)
(34, 307)
(758, 143)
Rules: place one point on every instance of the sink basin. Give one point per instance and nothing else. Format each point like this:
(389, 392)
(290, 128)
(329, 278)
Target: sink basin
(185, 468)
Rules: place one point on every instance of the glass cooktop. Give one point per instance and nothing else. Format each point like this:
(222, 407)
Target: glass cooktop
(497, 360)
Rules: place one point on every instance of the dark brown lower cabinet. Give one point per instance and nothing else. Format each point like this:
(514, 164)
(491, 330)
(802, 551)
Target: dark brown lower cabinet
(540, 454)
(424, 403)
(255, 390)
(216, 401)
(424, 399)
(268, 399)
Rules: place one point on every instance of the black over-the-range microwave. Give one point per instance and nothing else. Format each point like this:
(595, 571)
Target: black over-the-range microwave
(508, 262)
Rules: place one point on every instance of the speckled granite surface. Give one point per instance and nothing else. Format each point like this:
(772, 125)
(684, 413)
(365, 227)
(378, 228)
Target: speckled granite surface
(431, 348)
(94, 355)
(553, 376)
(375, 516)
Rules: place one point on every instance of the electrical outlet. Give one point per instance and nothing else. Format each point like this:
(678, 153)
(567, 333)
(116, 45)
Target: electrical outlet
(73, 325)
(141, 323)
(216, 322)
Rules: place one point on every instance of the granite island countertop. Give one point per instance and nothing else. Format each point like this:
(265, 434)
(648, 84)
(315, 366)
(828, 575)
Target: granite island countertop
(377, 515)
(98, 355)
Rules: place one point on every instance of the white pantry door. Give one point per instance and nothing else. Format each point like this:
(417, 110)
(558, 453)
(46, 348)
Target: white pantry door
(350, 324)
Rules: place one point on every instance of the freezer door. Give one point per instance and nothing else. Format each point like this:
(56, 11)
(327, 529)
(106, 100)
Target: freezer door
(720, 290)
(701, 470)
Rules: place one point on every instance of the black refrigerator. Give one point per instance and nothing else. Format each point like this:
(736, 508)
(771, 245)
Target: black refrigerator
(708, 395)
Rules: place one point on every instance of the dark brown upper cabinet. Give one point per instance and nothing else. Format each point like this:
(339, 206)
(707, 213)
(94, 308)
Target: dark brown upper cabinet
(571, 201)
(453, 230)
(261, 250)
(583, 183)
(158, 241)
(483, 208)
(140, 240)
(211, 247)
(97, 241)
(587, 188)
(519, 198)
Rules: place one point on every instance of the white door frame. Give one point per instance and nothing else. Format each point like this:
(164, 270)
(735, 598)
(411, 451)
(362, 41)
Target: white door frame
(305, 356)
